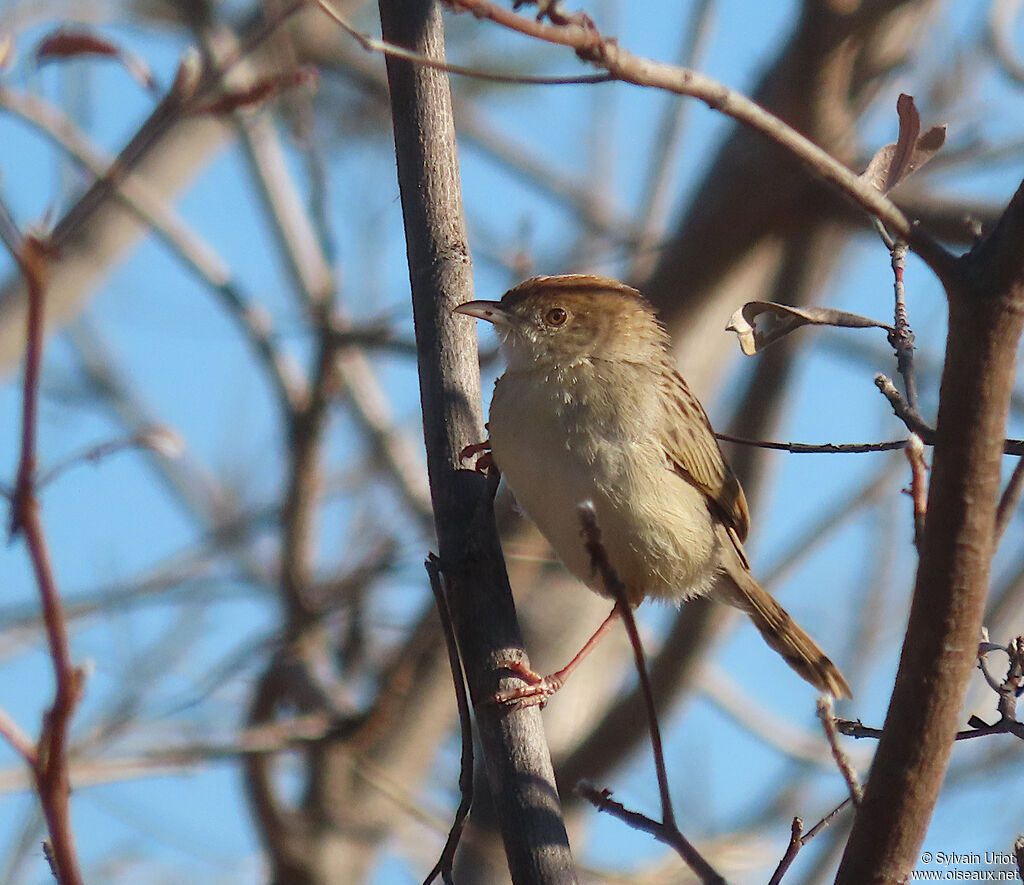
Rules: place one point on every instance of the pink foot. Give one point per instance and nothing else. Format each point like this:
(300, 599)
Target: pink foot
(482, 452)
(537, 689)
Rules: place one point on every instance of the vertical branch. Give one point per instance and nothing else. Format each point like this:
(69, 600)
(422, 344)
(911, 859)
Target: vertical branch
(49, 762)
(986, 316)
(514, 750)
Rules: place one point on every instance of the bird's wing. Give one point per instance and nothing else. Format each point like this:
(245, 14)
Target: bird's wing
(693, 453)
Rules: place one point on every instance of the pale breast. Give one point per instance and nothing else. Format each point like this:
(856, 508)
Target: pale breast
(558, 446)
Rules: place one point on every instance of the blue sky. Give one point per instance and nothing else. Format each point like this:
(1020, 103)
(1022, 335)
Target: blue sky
(107, 522)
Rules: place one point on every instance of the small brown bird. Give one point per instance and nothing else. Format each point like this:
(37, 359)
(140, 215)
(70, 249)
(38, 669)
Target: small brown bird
(591, 408)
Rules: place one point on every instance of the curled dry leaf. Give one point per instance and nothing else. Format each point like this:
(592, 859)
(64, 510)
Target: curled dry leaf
(65, 43)
(760, 323)
(894, 162)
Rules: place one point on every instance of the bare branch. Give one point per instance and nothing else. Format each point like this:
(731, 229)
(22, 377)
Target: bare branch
(371, 44)
(50, 767)
(816, 448)
(580, 34)
(796, 831)
(669, 835)
(514, 750)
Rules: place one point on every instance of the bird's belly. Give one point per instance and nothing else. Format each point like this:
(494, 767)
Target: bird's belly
(654, 525)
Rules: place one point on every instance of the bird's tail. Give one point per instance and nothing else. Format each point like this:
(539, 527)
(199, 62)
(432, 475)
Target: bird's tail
(780, 631)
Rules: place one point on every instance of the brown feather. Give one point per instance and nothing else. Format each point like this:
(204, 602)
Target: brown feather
(693, 452)
(738, 588)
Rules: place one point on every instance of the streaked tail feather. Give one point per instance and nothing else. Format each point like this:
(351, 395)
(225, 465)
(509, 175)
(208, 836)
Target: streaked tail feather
(781, 632)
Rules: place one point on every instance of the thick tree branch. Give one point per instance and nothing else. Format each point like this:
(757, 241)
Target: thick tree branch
(986, 316)
(515, 753)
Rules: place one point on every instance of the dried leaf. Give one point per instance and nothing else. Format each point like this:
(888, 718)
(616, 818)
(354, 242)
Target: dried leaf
(64, 43)
(894, 162)
(760, 323)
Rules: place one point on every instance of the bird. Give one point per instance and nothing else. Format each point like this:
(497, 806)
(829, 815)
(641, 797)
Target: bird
(591, 410)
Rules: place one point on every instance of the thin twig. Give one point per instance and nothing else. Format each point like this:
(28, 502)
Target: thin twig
(602, 801)
(825, 821)
(516, 157)
(159, 438)
(908, 415)
(829, 723)
(51, 763)
(795, 832)
(798, 840)
(916, 424)
(761, 723)
(580, 34)
(446, 861)
(856, 729)
(666, 831)
(816, 448)
(613, 583)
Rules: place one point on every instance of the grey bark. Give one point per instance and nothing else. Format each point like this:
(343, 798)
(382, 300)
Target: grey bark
(479, 598)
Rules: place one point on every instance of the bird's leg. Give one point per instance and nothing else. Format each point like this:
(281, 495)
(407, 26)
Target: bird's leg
(539, 688)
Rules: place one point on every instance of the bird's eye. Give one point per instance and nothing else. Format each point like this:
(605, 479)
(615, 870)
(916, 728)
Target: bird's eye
(556, 316)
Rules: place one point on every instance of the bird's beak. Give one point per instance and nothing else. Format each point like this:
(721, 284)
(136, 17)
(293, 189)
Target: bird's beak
(492, 311)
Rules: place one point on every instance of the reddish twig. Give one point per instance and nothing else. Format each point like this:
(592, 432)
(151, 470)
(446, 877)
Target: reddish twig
(49, 761)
